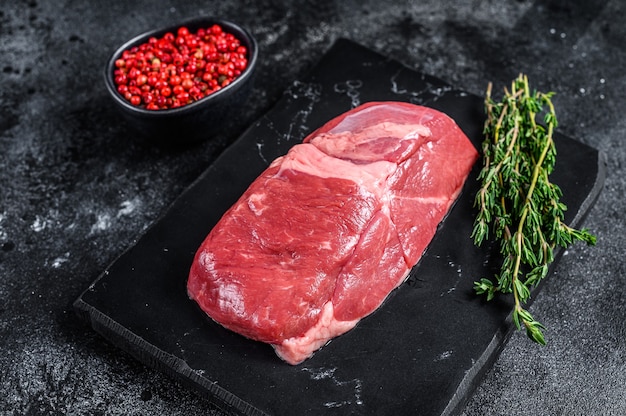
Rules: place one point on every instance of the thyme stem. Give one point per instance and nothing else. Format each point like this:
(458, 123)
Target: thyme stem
(518, 156)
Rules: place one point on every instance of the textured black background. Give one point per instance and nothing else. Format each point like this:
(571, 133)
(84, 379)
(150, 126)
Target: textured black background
(76, 189)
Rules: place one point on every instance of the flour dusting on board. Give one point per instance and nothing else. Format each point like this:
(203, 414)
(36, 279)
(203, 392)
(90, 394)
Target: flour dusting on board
(430, 93)
(354, 386)
(3, 233)
(39, 224)
(351, 89)
(128, 207)
(309, 94)
(459, 275)
(259, 147)
(302, 96)
(444, 355)
(103, 222)
(59, 261)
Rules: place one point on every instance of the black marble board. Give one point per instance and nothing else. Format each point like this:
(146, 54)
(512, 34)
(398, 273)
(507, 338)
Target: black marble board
(423, 352)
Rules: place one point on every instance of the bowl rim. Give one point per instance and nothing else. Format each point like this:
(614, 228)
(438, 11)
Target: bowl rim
(229, 26)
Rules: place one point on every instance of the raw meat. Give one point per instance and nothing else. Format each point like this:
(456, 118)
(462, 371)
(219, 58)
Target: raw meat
(320, 239)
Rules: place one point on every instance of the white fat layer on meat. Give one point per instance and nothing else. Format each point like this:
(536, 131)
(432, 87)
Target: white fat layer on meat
(309, 159)
(355, 122)
(346, 140)
(350, 144)
(298, 348)
(316, 158)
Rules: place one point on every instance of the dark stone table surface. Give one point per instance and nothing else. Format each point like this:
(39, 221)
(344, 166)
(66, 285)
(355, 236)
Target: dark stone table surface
(76, 189)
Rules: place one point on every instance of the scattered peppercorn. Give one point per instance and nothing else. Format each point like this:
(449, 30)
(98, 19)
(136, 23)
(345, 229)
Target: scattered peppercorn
(179, 69)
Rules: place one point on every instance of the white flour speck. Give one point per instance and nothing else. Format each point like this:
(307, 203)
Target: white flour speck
(39, 224)
(3, 234)
(103, 221)
(444, 355)
(127, 207)
(58, 262)
(394, 85)
(351, 89)
(259, 147)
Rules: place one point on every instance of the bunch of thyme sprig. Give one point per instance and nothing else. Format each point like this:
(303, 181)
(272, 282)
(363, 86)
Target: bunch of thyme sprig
(516, 201)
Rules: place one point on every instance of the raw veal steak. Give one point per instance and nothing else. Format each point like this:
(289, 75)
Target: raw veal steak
(320, 239)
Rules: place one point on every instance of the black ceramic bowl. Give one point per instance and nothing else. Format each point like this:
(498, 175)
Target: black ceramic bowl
(192, 122)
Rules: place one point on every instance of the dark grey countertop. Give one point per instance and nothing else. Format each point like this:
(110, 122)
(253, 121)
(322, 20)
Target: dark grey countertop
(76, 189)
